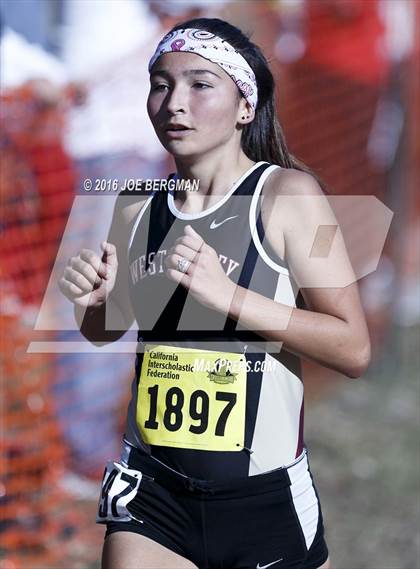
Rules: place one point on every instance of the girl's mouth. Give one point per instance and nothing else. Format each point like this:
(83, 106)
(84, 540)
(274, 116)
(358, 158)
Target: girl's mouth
(178, 132)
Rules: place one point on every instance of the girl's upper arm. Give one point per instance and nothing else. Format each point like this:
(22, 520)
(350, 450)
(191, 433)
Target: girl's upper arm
(126, 211)
(301, 226)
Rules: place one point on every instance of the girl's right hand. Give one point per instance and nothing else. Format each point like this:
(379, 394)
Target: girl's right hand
(88, 280)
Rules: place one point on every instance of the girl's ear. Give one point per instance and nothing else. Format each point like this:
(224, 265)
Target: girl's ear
(246, 113)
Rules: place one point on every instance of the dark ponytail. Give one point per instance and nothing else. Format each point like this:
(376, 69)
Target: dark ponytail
(263, 138)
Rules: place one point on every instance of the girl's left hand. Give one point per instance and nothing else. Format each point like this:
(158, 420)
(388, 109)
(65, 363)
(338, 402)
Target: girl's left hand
(205, 278)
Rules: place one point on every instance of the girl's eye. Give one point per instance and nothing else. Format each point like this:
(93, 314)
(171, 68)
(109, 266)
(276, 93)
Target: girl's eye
(158, 87)
(201, 85)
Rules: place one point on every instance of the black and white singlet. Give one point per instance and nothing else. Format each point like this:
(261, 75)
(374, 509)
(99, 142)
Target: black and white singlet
(241, 413)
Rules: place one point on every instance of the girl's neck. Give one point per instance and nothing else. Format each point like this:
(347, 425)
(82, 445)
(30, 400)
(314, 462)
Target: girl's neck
(215, 177)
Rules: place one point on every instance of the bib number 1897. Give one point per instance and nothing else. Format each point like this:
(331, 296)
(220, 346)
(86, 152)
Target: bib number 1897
(198, 410)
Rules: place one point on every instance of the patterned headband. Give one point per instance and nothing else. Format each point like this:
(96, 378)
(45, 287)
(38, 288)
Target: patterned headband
(214, 49)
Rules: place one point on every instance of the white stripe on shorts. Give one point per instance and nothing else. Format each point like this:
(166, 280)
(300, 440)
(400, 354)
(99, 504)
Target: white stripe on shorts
(304, 499)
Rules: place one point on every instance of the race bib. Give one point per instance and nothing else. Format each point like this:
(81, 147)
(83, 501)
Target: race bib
(119, 486)
(189, 398)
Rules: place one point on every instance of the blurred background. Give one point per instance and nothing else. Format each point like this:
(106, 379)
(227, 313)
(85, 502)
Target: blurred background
(73, 89)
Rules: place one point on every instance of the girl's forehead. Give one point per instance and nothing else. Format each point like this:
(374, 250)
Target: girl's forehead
(184, 63)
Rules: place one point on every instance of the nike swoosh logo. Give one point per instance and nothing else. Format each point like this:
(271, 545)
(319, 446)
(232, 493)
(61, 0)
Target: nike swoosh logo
(213, 224)
(269, 565)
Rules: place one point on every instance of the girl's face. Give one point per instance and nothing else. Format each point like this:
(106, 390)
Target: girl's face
(188, 90)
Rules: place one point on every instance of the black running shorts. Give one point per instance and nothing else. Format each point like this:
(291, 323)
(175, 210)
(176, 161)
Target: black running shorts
(271, 520)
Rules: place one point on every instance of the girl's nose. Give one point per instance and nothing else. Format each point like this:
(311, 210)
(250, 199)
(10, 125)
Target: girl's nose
(176, 100)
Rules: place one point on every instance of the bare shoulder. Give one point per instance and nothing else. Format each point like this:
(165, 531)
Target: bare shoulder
(291, 182)
(126, 211)
(292, 197)
(127, 207)
(283, 204)
(272, 213)
(293, 206)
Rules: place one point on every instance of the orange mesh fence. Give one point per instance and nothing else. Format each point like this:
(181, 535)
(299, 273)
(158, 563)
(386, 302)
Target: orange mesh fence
(39, 525)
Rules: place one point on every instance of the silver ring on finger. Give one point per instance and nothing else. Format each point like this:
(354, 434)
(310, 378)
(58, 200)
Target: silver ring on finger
(183, 265)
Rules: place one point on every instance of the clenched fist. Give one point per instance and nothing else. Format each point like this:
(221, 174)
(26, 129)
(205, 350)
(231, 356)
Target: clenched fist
(87, 279)
(204, 276)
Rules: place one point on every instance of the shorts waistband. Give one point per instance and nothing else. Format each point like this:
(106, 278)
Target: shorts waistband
(244, 486)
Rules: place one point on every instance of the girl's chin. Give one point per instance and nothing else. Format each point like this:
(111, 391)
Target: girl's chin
(182, 151)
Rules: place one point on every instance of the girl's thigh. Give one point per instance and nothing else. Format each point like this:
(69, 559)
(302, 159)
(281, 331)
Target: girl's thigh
(129, 550)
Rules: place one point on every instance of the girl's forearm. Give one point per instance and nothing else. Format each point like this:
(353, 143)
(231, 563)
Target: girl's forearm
(101, 325)
(325, 339)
